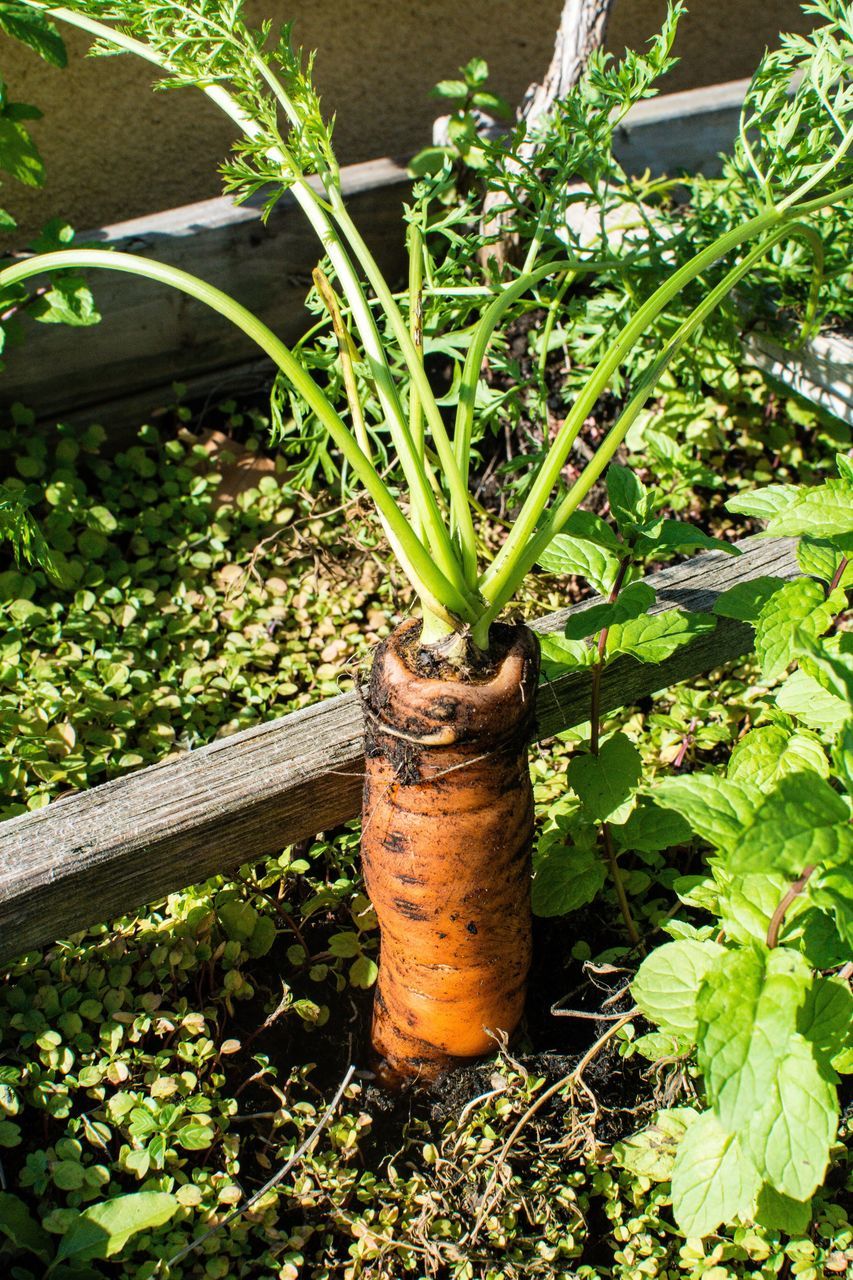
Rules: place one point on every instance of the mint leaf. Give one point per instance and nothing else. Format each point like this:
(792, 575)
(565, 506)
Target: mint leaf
(798, 609)
(589, 527)
(842, 757)
(565, 878)
(715, 808)
(780, 1213)
(650, 829)
(559, 655)
(824, 511)
(832, 889)
(651, 1152)
(656, 637)
(801, 821)
(20, 155)
(830, 662)
(713, 1181)
(793, 1125)
(765, 502)
(746, 1011)
(667, 983)
(606, 783)
(18, 1225)
(821, 557)
(633, 601)
(628, 498)
(770, 752)
(104, 1229)
(35, 31)
(826, 1019)
(676, 535)
(575, 557)
(745, 601)
(803, 697)
(747, 904)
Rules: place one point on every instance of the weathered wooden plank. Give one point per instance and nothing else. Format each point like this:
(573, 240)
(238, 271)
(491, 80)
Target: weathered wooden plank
(681, 132)
(821, 371)
(151, 336)
(115, 847)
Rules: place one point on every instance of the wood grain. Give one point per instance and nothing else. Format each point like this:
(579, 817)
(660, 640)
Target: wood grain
(110, 850)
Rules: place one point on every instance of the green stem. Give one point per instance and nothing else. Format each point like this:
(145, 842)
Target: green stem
(427, 579)
(496, 577)
(463, 524)
(422, 498)
(527, 556)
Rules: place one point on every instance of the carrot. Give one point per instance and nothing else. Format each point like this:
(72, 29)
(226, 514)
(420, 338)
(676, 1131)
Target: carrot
(447, 832)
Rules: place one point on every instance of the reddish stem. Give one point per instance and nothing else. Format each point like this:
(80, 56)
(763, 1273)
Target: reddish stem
(778, 916)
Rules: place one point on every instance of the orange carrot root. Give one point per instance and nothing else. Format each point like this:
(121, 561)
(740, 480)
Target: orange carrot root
(447, 832)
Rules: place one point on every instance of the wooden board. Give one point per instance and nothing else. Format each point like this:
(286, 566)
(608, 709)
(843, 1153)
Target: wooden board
(110, 850)
(150, 337)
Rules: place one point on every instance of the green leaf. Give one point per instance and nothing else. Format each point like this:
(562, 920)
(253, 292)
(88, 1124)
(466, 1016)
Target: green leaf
(628, 498)
(363, 972)
(492, 103)
(650, 829)
(842, 757)
(651, 1152)
(747, 904)
(632, 602)
(667, 983)
(830, 662)
(779, 1212)
(575, 557)
(589, 527)
(821, 558)
(745, 601)
(824, 511)
(559, 655)
(826, 1019)
(713, 1181)
(765, 502)
(657, 636)
(669, 536)
(33, 30)
(746, 1012)
(796, 611)
(238, 919)
(196, 1137)
(68, 301)
(802, 821)
(455, 91)
(832, 889)
(17, 1224)
(104, 1229)
(793, 1122)
(262, 937)
(715, 808)
(606, 783)
(770, 752)
(803, 697)
(19, 155)
(565, 878)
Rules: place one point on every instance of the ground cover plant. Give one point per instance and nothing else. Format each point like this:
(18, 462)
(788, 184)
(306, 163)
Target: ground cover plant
(607, 803)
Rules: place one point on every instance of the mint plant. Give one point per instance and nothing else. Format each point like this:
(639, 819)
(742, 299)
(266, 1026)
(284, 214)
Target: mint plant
(606, 774)
(761, 996)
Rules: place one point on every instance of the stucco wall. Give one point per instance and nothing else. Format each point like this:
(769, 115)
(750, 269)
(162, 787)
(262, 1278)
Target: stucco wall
(115, 150)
